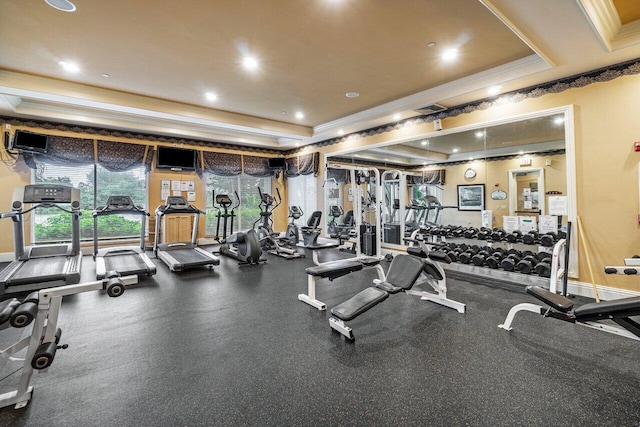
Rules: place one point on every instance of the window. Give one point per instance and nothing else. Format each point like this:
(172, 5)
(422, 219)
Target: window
(247, 187)
(96, 184)
(302, 191)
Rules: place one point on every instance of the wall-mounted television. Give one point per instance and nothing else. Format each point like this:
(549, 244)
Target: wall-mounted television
(30, 142)
(176, 159)
(277, 163)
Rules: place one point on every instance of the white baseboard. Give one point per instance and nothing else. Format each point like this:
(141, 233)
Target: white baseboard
(605, 293)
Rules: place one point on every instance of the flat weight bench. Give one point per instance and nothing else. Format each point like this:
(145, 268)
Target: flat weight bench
(590, 315)
(332, 270)
(404, 272)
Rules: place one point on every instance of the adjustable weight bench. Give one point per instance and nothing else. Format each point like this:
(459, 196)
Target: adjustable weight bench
(590, 315)
(332, 270)
(404, 272)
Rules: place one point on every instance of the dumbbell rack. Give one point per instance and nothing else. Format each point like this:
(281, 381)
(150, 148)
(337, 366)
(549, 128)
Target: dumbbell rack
(554, 283)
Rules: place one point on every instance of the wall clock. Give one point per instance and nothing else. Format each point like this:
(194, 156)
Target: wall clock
(470, 173)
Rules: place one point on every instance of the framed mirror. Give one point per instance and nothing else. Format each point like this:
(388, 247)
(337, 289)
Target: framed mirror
(495, 151)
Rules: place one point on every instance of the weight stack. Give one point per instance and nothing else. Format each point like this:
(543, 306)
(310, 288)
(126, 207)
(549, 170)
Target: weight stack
(368, 240)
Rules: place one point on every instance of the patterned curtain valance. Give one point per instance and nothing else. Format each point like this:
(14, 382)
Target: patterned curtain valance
(304, 164)
(118, 156)
(223, 164)
(256, 166)
(435, 177)
(63, 151)
(340, 175)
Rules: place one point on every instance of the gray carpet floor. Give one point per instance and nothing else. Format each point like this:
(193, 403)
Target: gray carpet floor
(233, 346)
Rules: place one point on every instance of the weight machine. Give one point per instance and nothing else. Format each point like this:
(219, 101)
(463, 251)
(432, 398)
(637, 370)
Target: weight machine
(42, 308)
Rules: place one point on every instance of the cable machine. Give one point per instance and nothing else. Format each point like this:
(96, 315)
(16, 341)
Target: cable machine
(368, 241)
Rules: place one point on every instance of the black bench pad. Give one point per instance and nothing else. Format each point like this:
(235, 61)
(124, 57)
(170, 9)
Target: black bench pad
(556, 301)
(432, 271)
(323, 246)
(359, 303)
(335, 269)
(439, 256)
(7, 308)
(416, 251)
(368, 261)
(624, 307)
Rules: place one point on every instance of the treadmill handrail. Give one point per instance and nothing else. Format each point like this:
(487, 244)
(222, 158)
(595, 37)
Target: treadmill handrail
(168, 210)
(47, 205)
(103, 210)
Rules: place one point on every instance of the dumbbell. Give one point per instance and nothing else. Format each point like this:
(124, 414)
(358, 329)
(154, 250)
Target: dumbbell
(480, 257)
(470, 232)
(498, 234)
(514, 237)
(511, 260)
(496, 257)
(531, 238)
(549, 239)
(543, 268)
(484, 233)
(527, 264)
(465, 257)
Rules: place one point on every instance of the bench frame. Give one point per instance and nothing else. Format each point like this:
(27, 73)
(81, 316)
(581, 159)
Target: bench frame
(310, 296)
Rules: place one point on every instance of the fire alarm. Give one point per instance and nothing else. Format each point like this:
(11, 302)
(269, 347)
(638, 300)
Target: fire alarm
(636, 146)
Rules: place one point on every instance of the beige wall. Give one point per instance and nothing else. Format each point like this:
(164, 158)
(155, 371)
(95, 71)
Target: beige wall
(15, 174)
(605, 117)
(606, 169)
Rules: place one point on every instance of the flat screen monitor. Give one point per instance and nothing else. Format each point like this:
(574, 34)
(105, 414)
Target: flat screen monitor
(277, 163)
(177, 159)
(30, 142)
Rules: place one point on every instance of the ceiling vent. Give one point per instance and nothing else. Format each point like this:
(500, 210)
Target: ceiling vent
(430, 109)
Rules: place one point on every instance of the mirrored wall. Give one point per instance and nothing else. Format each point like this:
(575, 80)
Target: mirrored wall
(518, 167)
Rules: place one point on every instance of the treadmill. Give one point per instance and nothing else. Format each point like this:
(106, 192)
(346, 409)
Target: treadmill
(181, 255)
(126, 260)
(42, 266)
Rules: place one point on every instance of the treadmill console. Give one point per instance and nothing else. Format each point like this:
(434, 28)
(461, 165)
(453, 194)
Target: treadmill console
(45, 193)
(177, 202)
(120, 203)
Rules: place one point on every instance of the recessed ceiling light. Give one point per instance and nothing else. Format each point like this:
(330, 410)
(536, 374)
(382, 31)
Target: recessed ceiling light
(105, 75)
(211, 96)
(431, 44)
(479, 134)
(558, 120)
(521, 152)
(352, 94)
(69, 66)
(450, 54)
(63, 5)
(299, 115)
(455, 150)
(284, 113)
(340, 132)
(250, 63)
(297, 144)
(494, 90)
(425, 142)
(397, 116)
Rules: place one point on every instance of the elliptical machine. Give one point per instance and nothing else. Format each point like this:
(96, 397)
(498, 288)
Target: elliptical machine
(269, 239)
(244, 247)
(292, 236)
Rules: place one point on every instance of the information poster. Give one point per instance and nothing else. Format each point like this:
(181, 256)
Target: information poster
(165, 189)
(510, 223)
(558, 205)
(175, 186)
(191, 196)
(527, 223)
(548, 224)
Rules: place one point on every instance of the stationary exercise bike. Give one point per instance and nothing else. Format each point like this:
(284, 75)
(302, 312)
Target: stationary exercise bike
(244, 247)
(268, 239)
(292, 236)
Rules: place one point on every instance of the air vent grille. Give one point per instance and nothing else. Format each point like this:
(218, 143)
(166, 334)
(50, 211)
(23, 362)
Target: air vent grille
(430, 109)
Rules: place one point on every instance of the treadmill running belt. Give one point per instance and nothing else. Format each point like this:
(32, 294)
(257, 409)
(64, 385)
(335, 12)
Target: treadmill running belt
(125, 264)
(44, 269)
